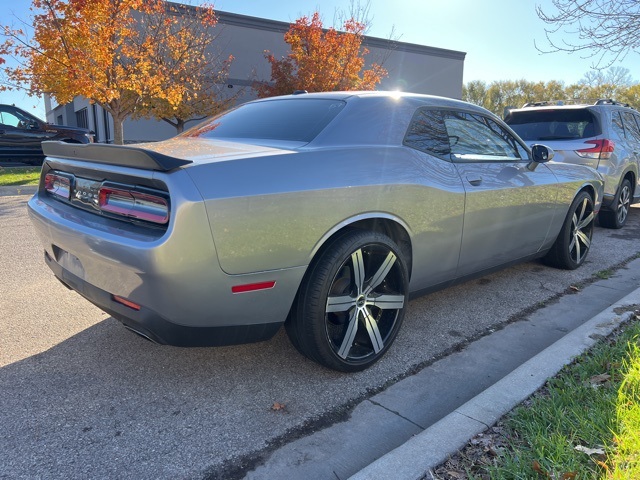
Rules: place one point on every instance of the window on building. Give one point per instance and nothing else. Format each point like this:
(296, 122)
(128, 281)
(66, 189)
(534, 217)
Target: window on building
(59, 120)
(107, 133)
(82, 118)
(94, 114)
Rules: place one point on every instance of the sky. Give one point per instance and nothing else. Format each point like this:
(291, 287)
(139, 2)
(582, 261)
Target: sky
(499, 37)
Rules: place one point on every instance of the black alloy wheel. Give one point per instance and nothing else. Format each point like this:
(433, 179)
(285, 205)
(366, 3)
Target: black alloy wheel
(574, 240)
(617, 216)
(352, 302)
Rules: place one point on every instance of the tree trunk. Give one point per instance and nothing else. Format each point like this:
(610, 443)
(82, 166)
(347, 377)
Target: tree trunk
(118, 130)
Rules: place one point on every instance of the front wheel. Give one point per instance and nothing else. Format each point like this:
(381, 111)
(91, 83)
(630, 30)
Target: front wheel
(574, 240)
(351, 303)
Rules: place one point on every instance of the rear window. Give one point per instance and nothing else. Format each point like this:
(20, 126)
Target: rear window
(296, 120)
(553, 124)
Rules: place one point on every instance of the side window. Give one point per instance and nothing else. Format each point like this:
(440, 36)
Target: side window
(631, 127)
(616, 124)
(475, 135)
(8, 118)
(427, 133)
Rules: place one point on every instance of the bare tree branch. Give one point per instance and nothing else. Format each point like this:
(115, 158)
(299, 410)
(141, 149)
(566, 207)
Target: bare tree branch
(605, 30)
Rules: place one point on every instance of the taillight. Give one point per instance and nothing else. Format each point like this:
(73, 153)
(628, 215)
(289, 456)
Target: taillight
(134, 204)
(58, 185)
(602, 149)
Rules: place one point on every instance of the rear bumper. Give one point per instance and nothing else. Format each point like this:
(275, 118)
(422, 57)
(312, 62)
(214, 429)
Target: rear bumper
(155, 327)
(185, 298)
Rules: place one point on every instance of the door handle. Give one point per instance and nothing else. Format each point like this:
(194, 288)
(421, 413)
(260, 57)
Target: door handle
(475, 181)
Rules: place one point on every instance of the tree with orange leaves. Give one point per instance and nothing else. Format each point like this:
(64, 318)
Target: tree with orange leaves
(321, 60)
(124, 55)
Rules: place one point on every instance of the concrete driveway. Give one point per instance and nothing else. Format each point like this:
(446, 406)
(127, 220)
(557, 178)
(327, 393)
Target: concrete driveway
(81, 397)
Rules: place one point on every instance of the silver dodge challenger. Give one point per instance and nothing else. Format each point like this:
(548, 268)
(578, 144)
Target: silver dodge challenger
(323, 212)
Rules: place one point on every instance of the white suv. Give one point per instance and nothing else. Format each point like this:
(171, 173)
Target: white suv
(604, 135)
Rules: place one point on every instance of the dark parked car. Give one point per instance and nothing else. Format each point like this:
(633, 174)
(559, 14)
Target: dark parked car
(322, 212)
(21, 135)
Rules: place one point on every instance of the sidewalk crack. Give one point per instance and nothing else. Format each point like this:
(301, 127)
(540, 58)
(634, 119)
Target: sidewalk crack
(398, 414)
(471, 418)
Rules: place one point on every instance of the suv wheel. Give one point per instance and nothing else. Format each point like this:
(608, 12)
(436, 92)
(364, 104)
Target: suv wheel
(617, 216)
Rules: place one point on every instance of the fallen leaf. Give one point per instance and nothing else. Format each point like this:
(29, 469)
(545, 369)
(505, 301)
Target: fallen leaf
(598, 380)
(574, 288)
(589, 451)
(538, 469)
(454, 474)
(568, 475)
(278, 406)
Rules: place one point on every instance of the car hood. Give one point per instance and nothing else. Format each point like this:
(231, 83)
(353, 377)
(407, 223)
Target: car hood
(202, 150)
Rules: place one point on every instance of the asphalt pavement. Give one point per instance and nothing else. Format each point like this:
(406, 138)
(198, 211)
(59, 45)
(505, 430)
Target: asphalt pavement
(81, 397)
(416, 424)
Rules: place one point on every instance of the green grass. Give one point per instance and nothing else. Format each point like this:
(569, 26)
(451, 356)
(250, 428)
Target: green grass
(625, 460)
(605, 274)
(18, 176)
(585, 423)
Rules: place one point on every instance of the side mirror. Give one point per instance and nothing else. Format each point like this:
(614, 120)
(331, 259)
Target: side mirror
(539, 154)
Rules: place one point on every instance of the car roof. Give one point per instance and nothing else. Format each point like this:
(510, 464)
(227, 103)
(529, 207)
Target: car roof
(537, 106)
(419, 99)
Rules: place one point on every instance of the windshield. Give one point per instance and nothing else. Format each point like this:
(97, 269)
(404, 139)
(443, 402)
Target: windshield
(561, 124)
(292, 119)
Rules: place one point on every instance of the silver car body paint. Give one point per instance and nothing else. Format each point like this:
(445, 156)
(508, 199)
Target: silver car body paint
(244, 213)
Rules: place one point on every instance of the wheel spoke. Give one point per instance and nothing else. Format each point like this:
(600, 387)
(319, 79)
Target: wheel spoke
(340, 304)
(358, 270)
(585, 221)
(382, 272)
(577, 250)
(350, 335)
(585, 202)
(581, 236)
(372, 329)
(388, 302)
(622, 213)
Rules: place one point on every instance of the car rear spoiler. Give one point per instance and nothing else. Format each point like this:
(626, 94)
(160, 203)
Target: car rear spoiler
(124, 156)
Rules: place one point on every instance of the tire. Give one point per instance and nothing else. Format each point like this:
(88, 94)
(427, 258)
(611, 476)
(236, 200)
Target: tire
(574, 240)
(338, 319)
(617, 217)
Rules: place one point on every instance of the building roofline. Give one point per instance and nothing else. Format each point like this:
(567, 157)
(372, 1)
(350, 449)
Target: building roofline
(238, 20)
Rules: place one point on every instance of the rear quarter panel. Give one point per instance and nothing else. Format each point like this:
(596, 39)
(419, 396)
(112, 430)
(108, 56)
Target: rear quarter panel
(276, 212)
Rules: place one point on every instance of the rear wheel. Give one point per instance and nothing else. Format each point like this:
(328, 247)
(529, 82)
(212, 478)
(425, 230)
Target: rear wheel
(574, 240)
(617, 217)
(351, 303)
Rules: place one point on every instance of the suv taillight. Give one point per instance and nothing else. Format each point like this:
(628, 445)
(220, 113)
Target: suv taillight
(602, 149)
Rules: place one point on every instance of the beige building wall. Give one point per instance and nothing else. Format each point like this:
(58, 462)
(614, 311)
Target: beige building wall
(411, 67)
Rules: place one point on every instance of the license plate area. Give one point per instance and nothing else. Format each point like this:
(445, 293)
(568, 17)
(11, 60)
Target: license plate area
(69, 262)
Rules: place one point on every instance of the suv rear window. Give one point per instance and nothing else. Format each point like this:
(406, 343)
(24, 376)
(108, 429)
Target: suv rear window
(296, 120)
(561, 124)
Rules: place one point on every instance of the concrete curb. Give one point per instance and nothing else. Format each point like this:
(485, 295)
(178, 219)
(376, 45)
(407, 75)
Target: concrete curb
(433, 446)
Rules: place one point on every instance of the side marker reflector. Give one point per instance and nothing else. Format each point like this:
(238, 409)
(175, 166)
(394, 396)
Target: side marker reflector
(252, 287)
(125, 302)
